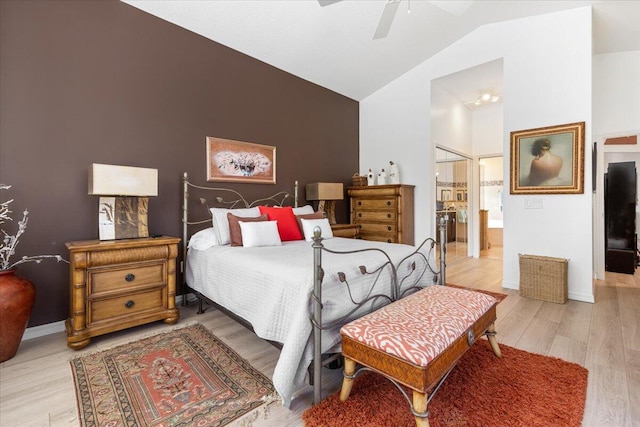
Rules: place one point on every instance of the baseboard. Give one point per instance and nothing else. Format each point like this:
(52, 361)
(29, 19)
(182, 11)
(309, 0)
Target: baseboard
(42, 330)
(571, 295)
(55, 327)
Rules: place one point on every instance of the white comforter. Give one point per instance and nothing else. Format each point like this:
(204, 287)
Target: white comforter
(271, 286)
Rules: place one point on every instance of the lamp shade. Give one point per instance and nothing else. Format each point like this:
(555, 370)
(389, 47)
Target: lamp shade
(111, 180)
(325, 191)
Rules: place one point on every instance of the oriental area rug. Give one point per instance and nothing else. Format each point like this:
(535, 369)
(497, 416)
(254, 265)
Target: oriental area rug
(519, 389)
(185, 377)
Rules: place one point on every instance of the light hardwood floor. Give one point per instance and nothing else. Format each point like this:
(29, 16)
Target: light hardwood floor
(36, 387)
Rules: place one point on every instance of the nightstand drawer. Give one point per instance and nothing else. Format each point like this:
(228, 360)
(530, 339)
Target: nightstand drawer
(110, 308)
(380, 216)
(121, 278)
(378, 204)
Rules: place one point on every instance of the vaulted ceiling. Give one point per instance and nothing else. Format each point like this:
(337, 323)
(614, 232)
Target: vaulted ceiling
(330, 42)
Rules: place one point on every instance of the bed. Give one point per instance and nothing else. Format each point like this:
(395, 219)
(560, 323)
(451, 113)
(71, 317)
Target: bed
(296, 293)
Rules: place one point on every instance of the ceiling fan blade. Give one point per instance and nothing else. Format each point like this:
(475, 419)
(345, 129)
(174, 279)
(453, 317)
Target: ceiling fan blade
(386, 19)
(324, 3)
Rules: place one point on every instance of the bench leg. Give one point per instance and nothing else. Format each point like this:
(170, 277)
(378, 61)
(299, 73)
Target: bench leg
(491, 335)
(420, 407)
(347, 381)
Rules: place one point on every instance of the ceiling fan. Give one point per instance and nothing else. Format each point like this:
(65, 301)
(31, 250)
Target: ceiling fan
(391, 7)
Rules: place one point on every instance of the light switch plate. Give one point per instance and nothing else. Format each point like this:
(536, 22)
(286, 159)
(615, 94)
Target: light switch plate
(533, 203)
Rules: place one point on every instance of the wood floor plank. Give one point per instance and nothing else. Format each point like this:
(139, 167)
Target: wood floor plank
(605, 334)
(632, 358)
(607, 398)
(569, 349)
(576, 321)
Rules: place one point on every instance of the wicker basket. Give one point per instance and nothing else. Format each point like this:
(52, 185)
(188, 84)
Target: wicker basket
(544, 278)
(359, 180)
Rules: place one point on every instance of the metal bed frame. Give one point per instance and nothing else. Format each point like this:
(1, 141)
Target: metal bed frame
(278, 199)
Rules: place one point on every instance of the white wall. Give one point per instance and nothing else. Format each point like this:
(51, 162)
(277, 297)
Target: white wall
(616, 93)
(451, 124)
(488, 130)
(547, 81)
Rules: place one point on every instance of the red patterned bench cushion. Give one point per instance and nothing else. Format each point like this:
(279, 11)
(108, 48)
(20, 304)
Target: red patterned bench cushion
(421, 326)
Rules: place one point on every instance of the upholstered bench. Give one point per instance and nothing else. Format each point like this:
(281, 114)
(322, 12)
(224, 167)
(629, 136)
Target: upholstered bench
(417, 340)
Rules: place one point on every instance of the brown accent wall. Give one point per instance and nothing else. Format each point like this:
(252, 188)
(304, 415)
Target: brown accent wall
(86, 82)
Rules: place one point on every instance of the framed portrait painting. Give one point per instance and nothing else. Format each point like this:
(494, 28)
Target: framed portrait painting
(237, 161)
(548, 160)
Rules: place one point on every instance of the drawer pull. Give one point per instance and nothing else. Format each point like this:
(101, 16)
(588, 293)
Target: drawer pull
(388, 240)
(388, 215)
(359, 203)
(129, 304)
(389, 228)
(130, 277)
(359, 215)
(388, 202)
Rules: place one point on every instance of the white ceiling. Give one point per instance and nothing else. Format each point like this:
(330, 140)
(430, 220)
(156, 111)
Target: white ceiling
(333, 45)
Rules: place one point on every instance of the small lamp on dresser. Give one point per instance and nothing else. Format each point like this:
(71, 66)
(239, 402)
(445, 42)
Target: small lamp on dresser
(124, 201)
(326, 193)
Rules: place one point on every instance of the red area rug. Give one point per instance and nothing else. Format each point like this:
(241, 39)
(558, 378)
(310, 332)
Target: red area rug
(184, 377)
(519, 389)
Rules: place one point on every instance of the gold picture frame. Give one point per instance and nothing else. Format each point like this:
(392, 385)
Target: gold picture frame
(548, 160)
(237, 161)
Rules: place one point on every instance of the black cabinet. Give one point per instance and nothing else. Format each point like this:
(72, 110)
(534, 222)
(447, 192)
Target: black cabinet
(620, 217)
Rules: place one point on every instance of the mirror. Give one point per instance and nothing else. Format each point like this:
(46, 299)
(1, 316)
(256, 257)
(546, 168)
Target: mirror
(452, 201)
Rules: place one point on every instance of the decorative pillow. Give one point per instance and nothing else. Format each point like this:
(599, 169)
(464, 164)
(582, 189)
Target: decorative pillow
(260, 233)
(203, 239)
(221, 223)
(309, 224)
(287, 225)
(303, 210)
(314, 215)
(235, 234)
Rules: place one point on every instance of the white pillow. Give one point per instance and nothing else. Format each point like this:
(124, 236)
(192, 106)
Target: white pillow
(261, 233)
(309, 224)
(221, 222)
(303, 210)
(203, 239)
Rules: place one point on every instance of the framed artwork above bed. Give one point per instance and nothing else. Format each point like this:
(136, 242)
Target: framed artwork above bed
(237, 161)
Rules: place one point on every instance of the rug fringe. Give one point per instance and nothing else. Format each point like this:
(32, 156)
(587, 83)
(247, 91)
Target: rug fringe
(134, 339)
(263, 411)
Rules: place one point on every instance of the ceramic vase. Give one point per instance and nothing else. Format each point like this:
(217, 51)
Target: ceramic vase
(17, 297)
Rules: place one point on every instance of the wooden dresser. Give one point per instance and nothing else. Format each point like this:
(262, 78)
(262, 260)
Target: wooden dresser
(383, 212)
(118, 284)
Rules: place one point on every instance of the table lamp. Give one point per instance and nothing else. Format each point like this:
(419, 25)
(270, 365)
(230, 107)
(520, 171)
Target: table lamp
(124, 199)
(326, 193)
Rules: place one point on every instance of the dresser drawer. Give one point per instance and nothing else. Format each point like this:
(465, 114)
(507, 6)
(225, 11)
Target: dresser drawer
(374, 228)
(379, 216)
(376, 204)
(379, 237)
(107, 280)
(110, 308)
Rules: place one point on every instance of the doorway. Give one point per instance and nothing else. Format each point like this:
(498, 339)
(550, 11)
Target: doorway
(491, 214)
(452, 202)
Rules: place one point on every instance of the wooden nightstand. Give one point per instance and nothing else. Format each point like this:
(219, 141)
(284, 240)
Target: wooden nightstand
(350, 231)
(118, 284)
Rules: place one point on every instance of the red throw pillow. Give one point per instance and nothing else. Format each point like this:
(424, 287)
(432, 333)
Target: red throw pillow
(235, 233)
(287, 225)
